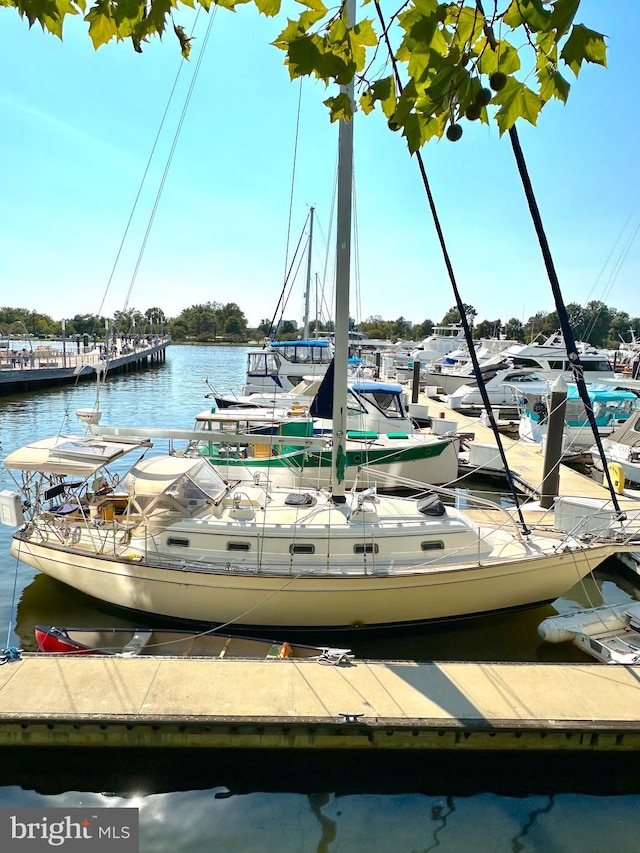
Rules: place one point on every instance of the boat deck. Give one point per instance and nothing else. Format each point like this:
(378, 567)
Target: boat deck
(49, 700)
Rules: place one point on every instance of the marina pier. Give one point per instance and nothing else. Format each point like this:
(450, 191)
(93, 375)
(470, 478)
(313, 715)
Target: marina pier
(375, 706)
(45, 366)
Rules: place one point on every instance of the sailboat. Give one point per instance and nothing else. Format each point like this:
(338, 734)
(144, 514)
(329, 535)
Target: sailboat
(173, 537)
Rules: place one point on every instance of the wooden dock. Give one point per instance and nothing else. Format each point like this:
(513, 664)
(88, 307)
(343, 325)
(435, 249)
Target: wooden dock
(48, 367)
(48, 700)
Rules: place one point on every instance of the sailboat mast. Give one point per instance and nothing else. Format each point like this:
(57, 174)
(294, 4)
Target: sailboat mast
(305, 332)
(343, 275)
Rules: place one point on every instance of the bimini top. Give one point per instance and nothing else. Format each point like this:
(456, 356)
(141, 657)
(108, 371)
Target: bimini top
(318, 343)
(601, 394)
(79, 456)
(372, 387)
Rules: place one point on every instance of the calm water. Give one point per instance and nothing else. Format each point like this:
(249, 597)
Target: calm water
(333, 803)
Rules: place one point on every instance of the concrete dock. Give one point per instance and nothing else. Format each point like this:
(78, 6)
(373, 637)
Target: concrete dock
(48, 700)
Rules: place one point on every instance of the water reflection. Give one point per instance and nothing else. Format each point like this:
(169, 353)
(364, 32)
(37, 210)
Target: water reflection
(261, 823)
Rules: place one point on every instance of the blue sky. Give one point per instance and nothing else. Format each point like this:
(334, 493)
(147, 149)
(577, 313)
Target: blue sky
(77, 128)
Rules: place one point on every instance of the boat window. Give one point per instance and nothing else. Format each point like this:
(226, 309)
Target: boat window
(432, 546)
(200, 485)
(575, 411)
(386, 401)
(367, 548)
(302, 549)
(262, 363)
(238, 546)
(174, 540)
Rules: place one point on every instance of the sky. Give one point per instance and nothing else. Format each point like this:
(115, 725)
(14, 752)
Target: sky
(255, 150)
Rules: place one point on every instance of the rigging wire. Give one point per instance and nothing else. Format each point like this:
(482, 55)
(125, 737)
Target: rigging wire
(293, 178)
(149, 160)
(170, 157)
(281, 300)
(459, 303)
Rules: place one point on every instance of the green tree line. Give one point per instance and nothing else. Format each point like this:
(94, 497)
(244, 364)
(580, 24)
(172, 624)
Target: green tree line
(596, 323)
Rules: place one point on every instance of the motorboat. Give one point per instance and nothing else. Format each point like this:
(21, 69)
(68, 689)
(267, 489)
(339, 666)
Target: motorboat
(622, 450)
(551, 360)
(278, 366)
(503, 385)
(442, 340)
(389, 460)
(610, 407)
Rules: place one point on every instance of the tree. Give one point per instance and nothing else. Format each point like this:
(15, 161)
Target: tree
(514, 330)
(541, 324)
(487, 329)
(422, 330)
(453, 315)
(454, 66)
(286, 330)
(597, 323)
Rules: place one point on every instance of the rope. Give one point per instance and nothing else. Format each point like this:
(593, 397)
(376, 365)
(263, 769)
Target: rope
(11, 653)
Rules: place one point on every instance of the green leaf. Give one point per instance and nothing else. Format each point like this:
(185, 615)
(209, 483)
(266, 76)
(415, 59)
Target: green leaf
(50, 14)
(339, 107)
(384, 90)
(367, 102)
(292, 31)
(102, 27)
(552, 85)
(516, 101)
(127, 15)
(584, 45)
(185, 41)
(445, 84)
(470, 26)
(432, 127)
(426, 7)
(564, 11)
(304, 56)
(504, 58)
(270, 8)
(530, 12)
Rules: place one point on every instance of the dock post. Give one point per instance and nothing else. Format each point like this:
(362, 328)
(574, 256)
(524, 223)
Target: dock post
(415, 384)
(553, 447)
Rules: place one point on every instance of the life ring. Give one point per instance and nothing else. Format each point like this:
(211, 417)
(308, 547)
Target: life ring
(616, 473)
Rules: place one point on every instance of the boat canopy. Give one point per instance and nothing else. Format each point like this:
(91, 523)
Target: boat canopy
(79, 456)
(182, 477)
(311, 343)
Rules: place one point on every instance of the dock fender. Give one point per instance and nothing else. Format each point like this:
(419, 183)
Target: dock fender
(616, 473)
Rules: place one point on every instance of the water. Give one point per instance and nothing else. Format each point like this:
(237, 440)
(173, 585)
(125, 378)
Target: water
(214, 801)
